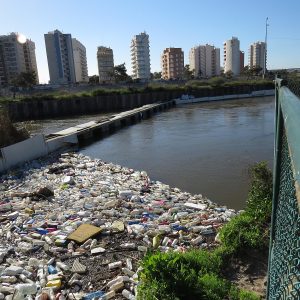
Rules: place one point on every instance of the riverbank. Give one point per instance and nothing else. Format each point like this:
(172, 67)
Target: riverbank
(46, 204)
(109, 100)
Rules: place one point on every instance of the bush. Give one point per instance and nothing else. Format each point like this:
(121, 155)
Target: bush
(8, 132)
(216, 81)
(190, 275)
(250, 229)
(196, 274)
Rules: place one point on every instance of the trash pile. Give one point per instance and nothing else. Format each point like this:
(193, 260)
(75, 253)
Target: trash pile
(76, 228)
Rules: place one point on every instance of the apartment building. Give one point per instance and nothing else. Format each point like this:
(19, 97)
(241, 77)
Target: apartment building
(172, 62)
(232, 56)
(140, 57)
(105, 59)
(205, 61)
(80, 63)
(17, 54)
(60, 57)
(257, 55)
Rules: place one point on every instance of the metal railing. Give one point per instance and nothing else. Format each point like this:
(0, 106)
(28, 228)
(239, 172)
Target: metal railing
(284, 256)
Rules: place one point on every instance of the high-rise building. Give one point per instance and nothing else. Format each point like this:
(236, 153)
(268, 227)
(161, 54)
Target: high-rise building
(172, 62)
(17, 54)
(60, 57)
(80, 63)
(232, 56)
(140, 57)
(105, 59)
(205, 61)
(257, 55)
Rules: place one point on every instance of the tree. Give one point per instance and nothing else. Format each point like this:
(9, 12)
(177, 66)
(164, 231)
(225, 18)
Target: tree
(25, 80)
(246, 72)
(187, 73)
(94, 79)
(255, 70)
(156, 75)
(229, 74)
(120, 73)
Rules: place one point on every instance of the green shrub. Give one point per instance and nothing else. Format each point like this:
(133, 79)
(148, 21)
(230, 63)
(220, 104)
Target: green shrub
(240, 233)
(216, 81)
(9, 134)
(213, 287)
(196, 274)
(190, 275)
(250, 229)
(259, 203)
(99, 92)
(240, 294)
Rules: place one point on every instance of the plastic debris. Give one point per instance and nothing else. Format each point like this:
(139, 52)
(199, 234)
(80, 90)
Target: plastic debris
(83, 233)
(75, 228)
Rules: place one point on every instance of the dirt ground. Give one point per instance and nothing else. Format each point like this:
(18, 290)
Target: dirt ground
(249, 271)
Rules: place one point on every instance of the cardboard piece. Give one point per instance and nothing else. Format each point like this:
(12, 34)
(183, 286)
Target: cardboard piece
(83, 233)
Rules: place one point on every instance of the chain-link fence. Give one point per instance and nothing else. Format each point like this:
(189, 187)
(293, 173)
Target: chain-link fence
(284, 258)
(292, 81)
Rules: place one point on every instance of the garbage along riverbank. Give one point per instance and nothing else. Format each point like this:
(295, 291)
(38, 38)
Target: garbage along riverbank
(75, 228)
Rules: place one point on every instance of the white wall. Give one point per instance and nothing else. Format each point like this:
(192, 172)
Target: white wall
(32, 148)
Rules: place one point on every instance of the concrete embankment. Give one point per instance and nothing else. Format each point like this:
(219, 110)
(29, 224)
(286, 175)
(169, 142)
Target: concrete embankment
(39, 145)
(42, 109)
(33, 109)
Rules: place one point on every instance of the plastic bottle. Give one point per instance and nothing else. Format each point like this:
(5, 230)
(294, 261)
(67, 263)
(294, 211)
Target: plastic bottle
(128, 295)
(26, 288)
(51, 269)
(115, 265)
(62, 266)
(128, 246)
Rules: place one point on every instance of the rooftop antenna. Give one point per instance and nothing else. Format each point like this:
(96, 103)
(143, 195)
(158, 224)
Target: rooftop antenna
(265, 54)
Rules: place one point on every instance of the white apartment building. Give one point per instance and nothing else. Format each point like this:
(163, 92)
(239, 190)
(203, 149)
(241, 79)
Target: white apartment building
(232, 56)
(257, 55)
(60, 57)
(105, 59)
(140, 57)
(205, 61)
(16, 56)
(80, 63)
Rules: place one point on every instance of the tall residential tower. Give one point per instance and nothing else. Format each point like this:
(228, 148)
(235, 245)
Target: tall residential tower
(66, 58)
(257, 55)
(140, 57)
(172, 62)
(17, 54)
(205, 61)
(105, 59)
(232, 56)
(80, 63)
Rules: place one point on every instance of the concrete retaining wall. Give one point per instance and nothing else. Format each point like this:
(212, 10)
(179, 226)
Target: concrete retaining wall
(42, 108)
(32, 148)
(24, 151)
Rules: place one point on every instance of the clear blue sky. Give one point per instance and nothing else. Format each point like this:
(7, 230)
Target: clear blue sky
(169, 23)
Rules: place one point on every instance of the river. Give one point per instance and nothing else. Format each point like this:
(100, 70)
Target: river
(203, 148)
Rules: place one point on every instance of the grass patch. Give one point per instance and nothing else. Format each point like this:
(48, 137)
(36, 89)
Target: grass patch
(188, 87)
(197, 274)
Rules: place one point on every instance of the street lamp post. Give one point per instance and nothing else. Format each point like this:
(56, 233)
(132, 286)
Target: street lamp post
(265, 54)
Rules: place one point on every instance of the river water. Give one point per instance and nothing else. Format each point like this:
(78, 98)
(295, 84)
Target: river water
(203, 148)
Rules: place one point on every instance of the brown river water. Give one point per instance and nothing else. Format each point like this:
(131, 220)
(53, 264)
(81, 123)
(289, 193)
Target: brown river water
(202, 148)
